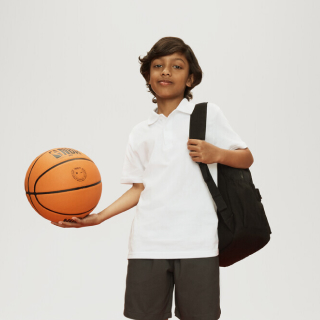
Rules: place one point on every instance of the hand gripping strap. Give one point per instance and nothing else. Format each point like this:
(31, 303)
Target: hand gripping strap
(197, 130)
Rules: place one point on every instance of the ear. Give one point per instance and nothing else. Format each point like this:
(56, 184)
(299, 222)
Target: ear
(190, 80)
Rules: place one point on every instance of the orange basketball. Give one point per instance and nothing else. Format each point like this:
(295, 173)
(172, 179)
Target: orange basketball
(63, 183)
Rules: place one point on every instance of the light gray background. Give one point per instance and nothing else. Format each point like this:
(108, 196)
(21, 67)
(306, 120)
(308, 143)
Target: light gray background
(70, 78)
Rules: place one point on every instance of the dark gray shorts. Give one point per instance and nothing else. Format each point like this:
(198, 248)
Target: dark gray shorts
(150, 282)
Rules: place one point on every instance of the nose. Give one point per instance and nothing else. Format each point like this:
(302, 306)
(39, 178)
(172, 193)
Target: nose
(165, 71)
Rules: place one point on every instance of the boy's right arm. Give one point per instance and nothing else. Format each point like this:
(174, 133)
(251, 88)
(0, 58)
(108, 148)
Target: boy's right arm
(128, 200)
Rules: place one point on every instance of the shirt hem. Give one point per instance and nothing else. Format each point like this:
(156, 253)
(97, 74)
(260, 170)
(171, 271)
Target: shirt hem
(173, 255)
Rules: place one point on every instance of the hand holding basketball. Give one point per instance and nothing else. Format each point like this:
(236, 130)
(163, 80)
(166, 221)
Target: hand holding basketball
(90, 220)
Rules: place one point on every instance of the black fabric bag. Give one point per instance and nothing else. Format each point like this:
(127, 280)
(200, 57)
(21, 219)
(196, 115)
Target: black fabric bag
(243, 227)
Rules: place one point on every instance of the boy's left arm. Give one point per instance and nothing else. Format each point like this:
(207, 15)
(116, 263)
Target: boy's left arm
(203, 151)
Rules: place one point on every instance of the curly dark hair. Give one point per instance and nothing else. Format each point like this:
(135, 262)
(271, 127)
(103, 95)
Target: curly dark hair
(167, 46)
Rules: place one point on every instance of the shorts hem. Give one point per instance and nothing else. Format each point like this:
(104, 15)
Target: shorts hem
(148, 316)
(178, 315)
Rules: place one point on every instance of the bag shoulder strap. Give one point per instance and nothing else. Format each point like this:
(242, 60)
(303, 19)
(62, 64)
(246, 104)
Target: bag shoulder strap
(197, 130)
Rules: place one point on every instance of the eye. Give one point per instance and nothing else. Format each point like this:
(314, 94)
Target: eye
(160, 65)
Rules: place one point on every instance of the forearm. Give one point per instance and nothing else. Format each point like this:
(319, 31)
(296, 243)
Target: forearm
(128, 200)
(240, 158)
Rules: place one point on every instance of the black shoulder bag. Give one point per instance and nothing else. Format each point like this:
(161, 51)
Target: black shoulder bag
(243, 227)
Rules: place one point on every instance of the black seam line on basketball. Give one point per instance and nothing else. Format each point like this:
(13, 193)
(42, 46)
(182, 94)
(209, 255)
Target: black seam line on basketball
(59, 191)
(65, 214)
(32, 168)
(32, 204)
(29, 178)
(58, 164)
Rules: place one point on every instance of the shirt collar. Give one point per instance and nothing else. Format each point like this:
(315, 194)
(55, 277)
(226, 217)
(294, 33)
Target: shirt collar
(184, 106)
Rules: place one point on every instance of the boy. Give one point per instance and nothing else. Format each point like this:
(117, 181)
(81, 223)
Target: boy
(173, 239)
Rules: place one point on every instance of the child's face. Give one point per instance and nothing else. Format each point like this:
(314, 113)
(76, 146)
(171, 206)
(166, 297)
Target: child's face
(174, 68)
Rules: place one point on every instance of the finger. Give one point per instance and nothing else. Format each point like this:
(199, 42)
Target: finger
(77, 220)
(193, 141)
(195, 155)
(193, 147)
(65, 224)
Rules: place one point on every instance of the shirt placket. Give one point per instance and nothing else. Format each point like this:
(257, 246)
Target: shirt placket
(167, 134)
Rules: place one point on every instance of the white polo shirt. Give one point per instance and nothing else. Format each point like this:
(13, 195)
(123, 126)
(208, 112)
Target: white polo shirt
(176, 216)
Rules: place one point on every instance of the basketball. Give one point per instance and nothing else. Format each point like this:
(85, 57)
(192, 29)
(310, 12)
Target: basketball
(63, 183)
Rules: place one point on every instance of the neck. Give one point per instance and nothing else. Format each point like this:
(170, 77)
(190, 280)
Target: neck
(166, 106)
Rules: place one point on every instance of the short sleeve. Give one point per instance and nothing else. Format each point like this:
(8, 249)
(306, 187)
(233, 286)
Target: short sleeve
(132, 170)
(223, 135)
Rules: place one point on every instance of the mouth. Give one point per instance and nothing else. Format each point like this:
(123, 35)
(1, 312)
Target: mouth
(165, 83)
